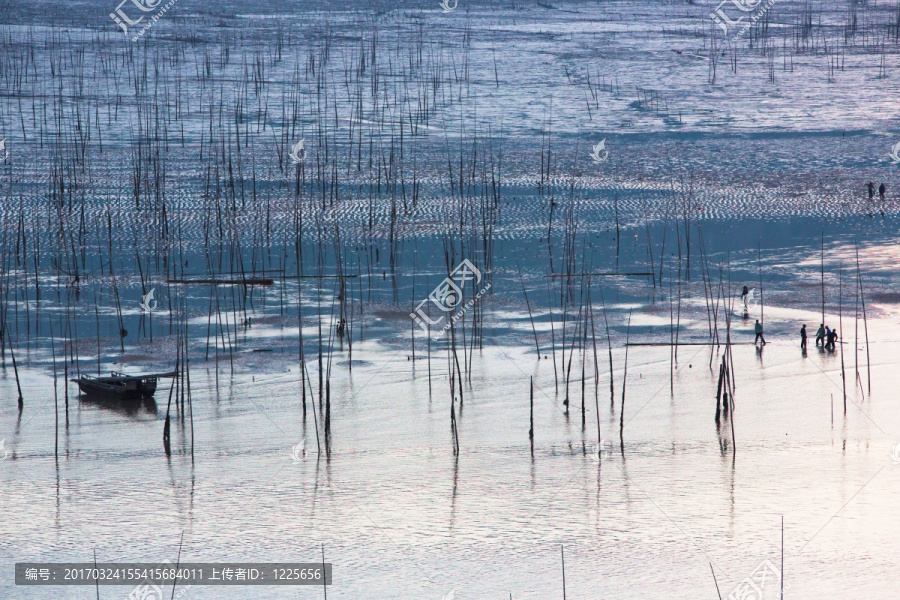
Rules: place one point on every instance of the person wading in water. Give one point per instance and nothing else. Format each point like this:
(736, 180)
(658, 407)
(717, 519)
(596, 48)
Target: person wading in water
(832, 338)
(820, 334)
(759, 333)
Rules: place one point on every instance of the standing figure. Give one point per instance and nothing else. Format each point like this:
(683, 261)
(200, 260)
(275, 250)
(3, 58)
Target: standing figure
(820, 334)
(759, 333)
(745, 300)
(803, 337)
(881, 191)
(832, 339)
(871, 186)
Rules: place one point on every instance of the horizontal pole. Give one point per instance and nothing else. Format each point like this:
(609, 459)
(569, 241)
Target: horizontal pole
(555, 275)
(687, 343)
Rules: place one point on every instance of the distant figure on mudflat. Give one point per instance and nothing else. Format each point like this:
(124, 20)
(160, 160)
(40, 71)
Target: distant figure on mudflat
(759, 333)
(820, 334)
(745, 296)
(832, 338)
(881, 191)
(803, 337)
(871, 186)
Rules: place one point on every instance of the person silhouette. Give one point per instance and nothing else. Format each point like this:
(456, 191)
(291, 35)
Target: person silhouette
(871, 186)
(881, 191)
(820, 334)
(759, 333)
(803, 337)
(832, 339)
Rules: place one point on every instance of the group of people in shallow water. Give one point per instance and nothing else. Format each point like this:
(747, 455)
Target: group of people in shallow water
(826, 336)
(881, 190)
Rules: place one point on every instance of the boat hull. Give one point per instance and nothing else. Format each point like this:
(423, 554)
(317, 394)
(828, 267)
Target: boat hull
(120, 388)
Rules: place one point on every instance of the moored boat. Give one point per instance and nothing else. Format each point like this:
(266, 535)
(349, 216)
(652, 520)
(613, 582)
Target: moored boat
(119, 386)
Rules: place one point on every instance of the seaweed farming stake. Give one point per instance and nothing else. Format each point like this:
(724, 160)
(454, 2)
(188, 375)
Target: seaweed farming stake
(612, 391)
(531, 410)
(841, 327)
(822, 280)
(715, 581)
(530, 315)
(624, 379)
(862, 301)
(15, 369)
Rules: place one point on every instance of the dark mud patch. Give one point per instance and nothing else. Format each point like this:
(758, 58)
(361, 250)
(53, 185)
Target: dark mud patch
(885, 297)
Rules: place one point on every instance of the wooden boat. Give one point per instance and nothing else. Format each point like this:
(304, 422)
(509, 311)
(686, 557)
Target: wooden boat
(119, 386)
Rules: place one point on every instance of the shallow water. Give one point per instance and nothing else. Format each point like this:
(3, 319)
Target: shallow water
(401, 516)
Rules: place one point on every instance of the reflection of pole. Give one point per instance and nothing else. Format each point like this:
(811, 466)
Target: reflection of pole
(325, 579)
(562, 554)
